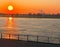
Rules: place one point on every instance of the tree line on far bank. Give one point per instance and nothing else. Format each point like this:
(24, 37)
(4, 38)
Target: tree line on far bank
(31, 15)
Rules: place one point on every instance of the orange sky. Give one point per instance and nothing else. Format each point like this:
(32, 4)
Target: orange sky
(30, 6)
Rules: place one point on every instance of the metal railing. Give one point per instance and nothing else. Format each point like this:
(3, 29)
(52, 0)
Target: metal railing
(30, 38)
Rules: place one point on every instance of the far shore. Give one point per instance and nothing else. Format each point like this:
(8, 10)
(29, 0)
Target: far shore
(38, 17)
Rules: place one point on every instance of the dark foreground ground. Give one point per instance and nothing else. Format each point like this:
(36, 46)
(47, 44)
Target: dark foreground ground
(16, 43)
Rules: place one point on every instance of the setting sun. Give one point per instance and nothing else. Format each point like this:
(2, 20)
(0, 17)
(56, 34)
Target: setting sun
(10, 7)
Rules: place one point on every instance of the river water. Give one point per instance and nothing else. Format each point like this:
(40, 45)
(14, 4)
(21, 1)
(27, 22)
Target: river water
(33, 26)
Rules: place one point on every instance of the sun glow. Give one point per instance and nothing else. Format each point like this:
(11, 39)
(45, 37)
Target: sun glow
(10, 7)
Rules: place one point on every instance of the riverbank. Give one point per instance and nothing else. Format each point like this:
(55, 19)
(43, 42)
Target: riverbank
(34, 17)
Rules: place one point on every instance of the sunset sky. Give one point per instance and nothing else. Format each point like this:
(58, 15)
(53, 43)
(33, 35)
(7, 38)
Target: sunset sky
(30, 6)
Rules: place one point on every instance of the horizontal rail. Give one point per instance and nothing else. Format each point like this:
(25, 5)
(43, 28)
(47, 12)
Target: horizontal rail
(36, 38)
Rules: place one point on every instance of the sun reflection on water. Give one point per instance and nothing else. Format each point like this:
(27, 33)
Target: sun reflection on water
(10, 28)
(10, 25)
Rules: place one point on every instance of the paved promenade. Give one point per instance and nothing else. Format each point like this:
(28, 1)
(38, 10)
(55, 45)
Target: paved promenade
(18, 43)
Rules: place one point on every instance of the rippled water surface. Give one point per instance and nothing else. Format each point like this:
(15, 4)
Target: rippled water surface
(33, 26)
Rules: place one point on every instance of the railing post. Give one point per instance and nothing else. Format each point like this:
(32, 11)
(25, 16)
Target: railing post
(59, 40)
(9, 36)
(18, 36)
(48, 39)
(37, 38)
(27, 37)
(1, 35)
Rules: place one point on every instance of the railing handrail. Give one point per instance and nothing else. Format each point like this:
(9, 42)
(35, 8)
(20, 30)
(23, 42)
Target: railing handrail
(30, 35)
